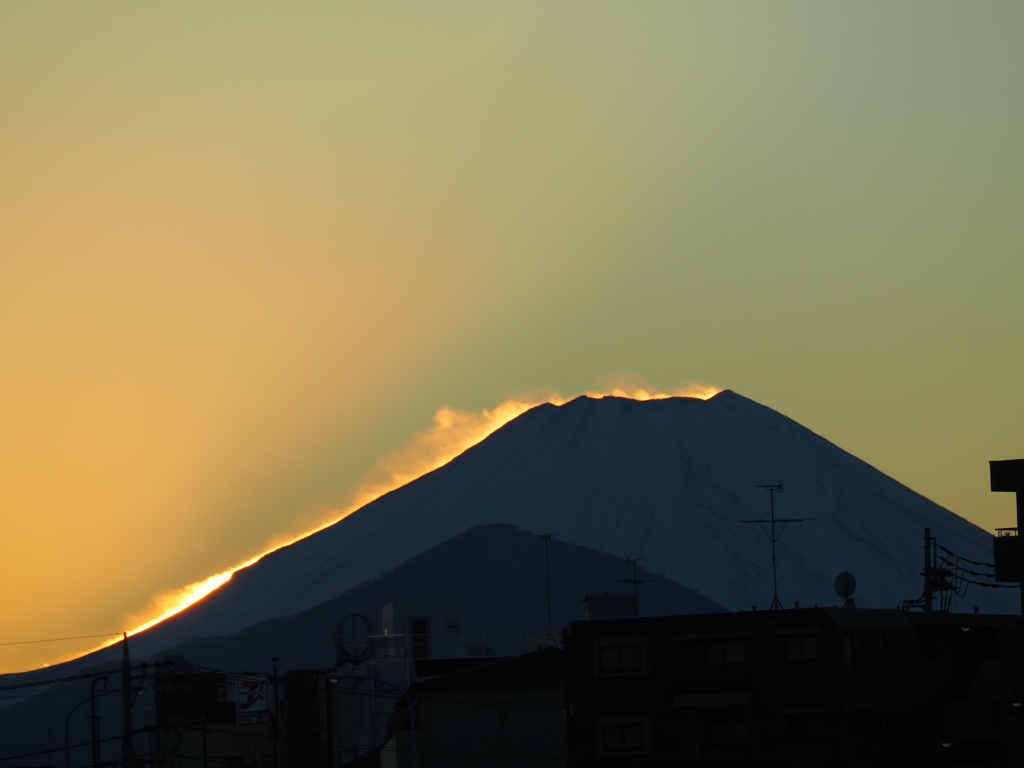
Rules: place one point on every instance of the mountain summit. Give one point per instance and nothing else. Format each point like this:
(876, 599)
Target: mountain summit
(666, 480)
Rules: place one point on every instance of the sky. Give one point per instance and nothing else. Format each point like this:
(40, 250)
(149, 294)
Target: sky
(250, 251)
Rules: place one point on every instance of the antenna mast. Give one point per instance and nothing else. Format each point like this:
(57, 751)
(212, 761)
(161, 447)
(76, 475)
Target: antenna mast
(547, 573)
(772, 490)
(635, 582)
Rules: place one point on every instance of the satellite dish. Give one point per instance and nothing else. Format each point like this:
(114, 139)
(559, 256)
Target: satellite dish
(352, 639)
(846, 585)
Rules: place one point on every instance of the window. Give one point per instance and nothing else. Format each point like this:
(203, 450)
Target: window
(419, 635)
(622, 737)
(720, 652)
(803, 648)
(804, 727)
(725, 732)
(853, 653)
(620, 656)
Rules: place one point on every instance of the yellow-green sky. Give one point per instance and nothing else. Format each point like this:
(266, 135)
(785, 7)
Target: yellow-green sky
(248, 249)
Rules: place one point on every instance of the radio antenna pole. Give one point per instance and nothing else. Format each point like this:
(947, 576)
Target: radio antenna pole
(772, 490)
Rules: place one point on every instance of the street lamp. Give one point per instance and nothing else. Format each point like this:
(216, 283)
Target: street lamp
(92, 717)
(95, 720)
(67, 721)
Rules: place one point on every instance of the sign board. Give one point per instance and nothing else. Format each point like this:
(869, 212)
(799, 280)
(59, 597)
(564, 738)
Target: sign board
(254, 718)
(252, 701)
(1007, 476)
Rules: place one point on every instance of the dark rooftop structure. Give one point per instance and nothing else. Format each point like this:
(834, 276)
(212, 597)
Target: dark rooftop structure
(802, 687)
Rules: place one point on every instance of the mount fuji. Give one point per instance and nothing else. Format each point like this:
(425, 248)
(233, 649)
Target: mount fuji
(666, 480)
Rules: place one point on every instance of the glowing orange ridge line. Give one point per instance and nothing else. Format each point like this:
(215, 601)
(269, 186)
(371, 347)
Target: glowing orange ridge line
(476, 427)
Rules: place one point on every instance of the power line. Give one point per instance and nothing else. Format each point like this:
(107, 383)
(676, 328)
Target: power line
(58, 639)
(52, 680)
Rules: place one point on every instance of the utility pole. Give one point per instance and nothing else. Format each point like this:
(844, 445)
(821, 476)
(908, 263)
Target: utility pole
(547, 573)
(772, 490)
(127, 748)
(636, 582)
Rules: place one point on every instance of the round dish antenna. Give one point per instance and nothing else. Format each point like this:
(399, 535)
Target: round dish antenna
(352, 639)
(846, 585)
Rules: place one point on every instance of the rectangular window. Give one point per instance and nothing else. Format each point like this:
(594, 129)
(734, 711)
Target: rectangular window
(727, 732)
(619, 658)
(853, 653)
(803, 648)
(720, 652)
(623, 737)
(419, 636)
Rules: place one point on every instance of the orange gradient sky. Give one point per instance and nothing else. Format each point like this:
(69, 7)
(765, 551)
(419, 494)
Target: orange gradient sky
(248, 250)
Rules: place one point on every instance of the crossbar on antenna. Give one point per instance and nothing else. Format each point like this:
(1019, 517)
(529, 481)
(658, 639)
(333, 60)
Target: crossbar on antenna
(772, 490)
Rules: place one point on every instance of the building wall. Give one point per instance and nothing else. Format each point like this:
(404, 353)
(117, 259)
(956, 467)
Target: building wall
(796, 687)
(506, 727)
(446, 621)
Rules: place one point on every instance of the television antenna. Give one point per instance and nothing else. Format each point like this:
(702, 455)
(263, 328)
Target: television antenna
(636, 582)
(771, 534)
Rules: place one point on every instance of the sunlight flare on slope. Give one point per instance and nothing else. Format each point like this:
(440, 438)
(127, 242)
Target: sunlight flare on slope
(454, 431)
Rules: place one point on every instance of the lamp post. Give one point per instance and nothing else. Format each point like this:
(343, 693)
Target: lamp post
(67, 725)
(94, 720)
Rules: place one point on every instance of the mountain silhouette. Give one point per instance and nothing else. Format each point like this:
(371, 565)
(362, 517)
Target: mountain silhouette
(666, 480)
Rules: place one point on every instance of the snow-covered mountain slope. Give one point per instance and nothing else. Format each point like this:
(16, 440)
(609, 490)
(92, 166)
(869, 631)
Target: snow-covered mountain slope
(666, 480)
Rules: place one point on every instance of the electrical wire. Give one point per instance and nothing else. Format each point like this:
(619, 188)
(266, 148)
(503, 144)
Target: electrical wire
(58, 639)
(972, 562)
(53, 680)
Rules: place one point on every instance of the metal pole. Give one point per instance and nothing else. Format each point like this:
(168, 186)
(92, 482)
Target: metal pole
(94, 720)
(127, 749)
(277, 705)
(547, 573)
(928, 569)
(775, 573)
(412, 728)
(412, 714)
(547, 576)
(67, 731)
